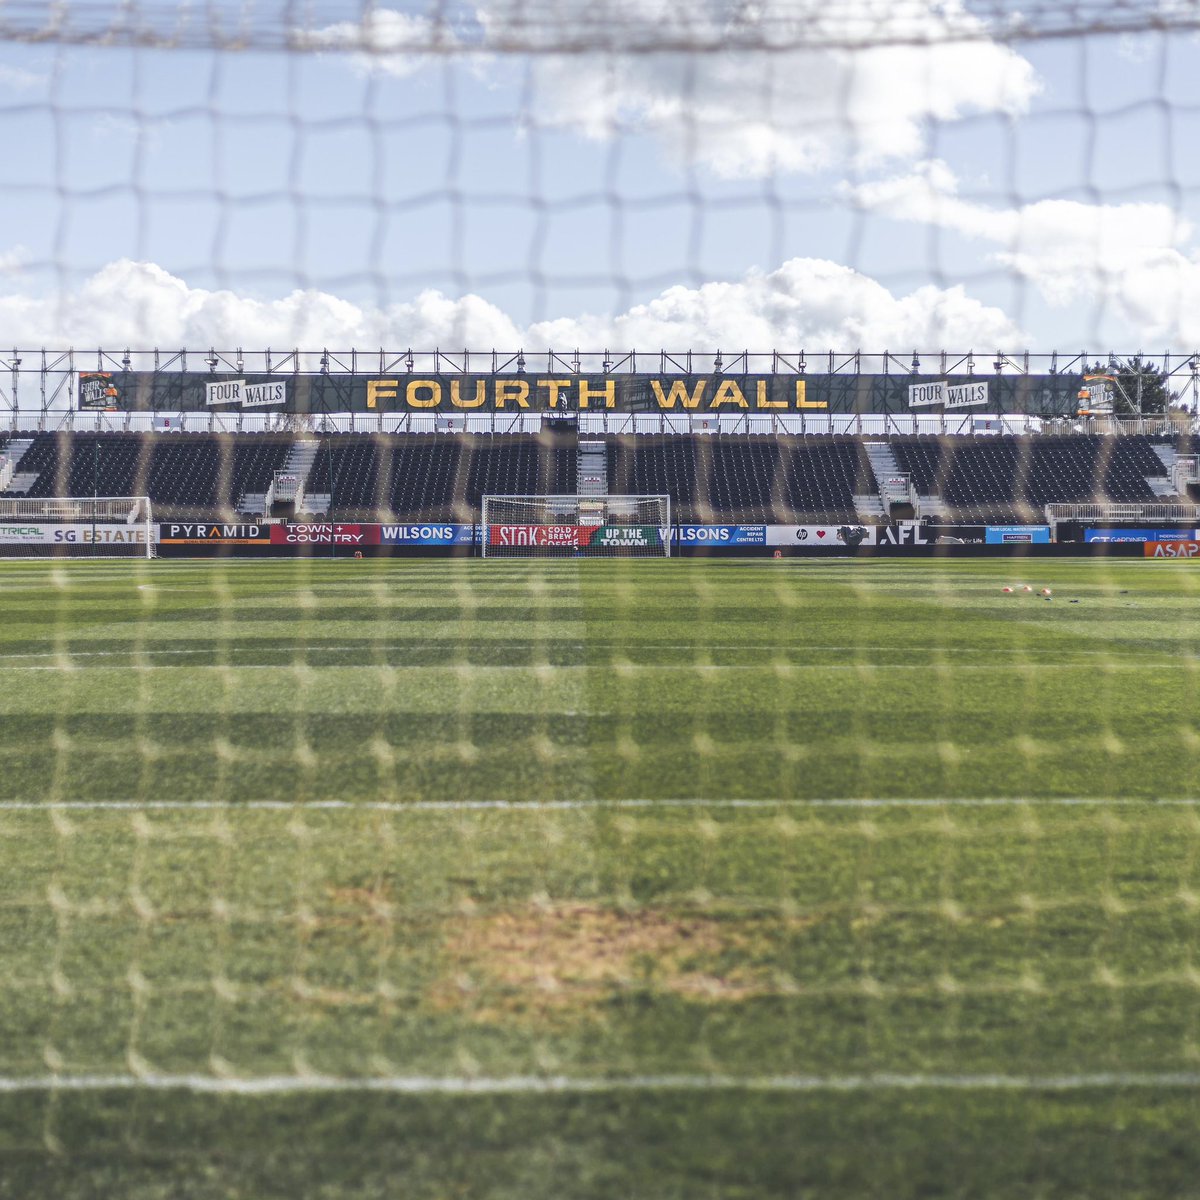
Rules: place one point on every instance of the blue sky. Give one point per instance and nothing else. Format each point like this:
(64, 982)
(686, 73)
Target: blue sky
(262, 173)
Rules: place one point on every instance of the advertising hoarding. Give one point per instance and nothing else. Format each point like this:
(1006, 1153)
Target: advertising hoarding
(324, 534)
(213, 534)
(553, 393)
(719, 535)
(1002, 535)
(1140, 535)
(833, 537)
(25, 533)
(427, 535)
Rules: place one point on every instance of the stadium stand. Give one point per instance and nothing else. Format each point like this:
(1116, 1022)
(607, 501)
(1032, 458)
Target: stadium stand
(186, 475)
(710, 478)
(437, 477)
(743, 479)
(1012, 479)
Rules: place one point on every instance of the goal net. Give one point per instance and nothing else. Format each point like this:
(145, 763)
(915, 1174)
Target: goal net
(71, 527)
(576, 527)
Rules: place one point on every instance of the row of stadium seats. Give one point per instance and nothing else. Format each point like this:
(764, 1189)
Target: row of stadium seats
(199, 476)
(745, 479)
(438, 477)
(1011, 479)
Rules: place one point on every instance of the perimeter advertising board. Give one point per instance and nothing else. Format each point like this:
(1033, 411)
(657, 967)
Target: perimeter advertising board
(563, 393)
(324, 534)
(213, 534)
(1004, 535)
(831, 537)
(1140, 535)
(719, 535)
(575, 536)
(20, 533)
(427, 535)
(1182, 549)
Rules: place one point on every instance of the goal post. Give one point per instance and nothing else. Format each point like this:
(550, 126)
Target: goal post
(576, 527)
(76, 527)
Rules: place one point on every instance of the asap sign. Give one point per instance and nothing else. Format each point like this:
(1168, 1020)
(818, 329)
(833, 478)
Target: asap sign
(1171, 549)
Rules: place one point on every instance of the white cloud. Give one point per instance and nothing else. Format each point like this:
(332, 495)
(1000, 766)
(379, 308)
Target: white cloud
(783, 93)
(1137, 261)
(806, 303)
(19, 79)
(384, 40)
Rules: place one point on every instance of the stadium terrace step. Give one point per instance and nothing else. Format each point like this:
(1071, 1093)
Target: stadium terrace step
(22, 481)
(1166, 454)
(893, 484)
(869, 508)
(18, 481)
(1161, 487)
(592, 473)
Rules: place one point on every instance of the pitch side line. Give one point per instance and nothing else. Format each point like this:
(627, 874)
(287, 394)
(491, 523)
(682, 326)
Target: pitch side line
(271, 1085)
(416, 806)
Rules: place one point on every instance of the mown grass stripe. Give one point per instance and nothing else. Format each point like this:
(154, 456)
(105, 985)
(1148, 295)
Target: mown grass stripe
(401, 806)
(272, 1085)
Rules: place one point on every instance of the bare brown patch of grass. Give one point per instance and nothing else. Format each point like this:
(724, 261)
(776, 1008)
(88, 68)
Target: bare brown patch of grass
(543, 959)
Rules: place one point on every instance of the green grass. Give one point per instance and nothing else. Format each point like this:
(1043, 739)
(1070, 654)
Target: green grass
(600, 941)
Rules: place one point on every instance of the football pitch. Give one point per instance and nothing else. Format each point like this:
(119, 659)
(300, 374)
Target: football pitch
(599, 879)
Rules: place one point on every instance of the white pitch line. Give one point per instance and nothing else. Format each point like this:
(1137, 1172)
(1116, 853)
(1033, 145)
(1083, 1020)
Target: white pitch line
(1135, 657)
(584, 805)
(273, 1085)
(1179, 664)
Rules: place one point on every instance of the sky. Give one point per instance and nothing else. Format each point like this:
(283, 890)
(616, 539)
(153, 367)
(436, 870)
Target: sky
(940, 189)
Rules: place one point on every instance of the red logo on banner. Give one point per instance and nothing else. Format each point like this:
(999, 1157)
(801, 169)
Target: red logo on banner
(538, 535)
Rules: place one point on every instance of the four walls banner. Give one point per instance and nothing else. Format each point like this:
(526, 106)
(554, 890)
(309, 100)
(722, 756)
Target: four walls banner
(763, 395)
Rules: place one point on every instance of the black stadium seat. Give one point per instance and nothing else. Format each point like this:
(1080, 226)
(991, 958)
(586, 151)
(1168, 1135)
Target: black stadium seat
(710, 478)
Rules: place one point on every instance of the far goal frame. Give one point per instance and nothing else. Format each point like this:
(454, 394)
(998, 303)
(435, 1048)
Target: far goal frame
(573, 526)
(76, 527)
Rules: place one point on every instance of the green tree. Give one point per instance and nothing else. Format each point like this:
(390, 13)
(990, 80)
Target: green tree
(1139, 381)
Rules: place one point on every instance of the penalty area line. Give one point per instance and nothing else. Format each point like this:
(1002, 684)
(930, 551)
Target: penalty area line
(417, 1085)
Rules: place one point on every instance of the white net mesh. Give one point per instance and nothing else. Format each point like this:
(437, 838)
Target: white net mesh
(709, 878)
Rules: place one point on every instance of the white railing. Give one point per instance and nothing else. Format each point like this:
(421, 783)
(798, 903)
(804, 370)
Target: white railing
(770, 425)
(1188, 513)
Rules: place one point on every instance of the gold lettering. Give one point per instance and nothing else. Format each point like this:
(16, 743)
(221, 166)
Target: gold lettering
(555, 386)
(802, 400)
(609, 392)
(457, 400)
(516, 390)
(678, 393)
(380, 389)
(763, 401)
(729, 393)
(431, 386)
